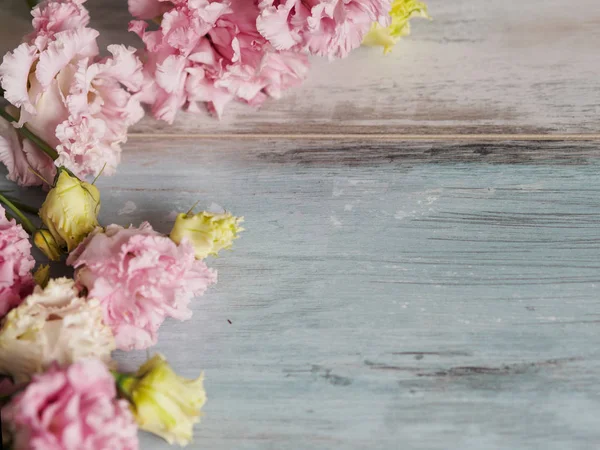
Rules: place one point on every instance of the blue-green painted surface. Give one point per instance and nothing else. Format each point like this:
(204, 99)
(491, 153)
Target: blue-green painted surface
(383, 305)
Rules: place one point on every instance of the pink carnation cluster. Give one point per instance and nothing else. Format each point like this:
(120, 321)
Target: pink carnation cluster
(62, 91)
(73, 408)
(16, 264)
(140, 277)
(331, 28)
(209, 52)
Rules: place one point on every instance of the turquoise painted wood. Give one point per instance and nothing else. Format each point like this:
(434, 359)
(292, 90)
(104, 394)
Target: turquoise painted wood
(389, 296)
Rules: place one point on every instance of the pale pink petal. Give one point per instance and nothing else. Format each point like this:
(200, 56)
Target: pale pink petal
(170, 74)
(16, 264)
(212, 52)
(274, 24)
(82, 148)
(22, 157)
(140, 277)
(52, 17)
(50, 110)
(14, 75)
(68, 45)
(71, 408)
(147, 9)
(329, 28)
(124, 67)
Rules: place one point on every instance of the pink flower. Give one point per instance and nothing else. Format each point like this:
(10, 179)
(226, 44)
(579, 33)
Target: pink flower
(140, 277)
(209, 53)
(80, 104)
(20, 156)
(71, 409)
(56, 16)
(331, 28)
(16, 263)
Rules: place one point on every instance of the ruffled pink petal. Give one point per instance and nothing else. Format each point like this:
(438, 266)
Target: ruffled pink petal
(329, 28)
(82, 149)
(274, 23)
(170, 74)
(140, 277)
(71, 408)
(52, 17)
(201, 88)
(80, 43)
(16, 264)
(211, 52)
(124, 67)
(283, 70)
(14, 75)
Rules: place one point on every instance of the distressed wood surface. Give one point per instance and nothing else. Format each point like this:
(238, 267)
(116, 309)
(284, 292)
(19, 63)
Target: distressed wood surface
(408, 295)
(509, 67)
(433, 293)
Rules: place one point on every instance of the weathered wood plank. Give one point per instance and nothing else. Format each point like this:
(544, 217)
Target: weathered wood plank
(480, 67)
(390, 295)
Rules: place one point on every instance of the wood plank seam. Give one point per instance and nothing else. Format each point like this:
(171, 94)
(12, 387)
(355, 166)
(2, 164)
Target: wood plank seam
(376, 137)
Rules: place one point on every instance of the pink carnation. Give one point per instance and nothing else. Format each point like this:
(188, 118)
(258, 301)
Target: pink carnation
(71, 409)
(331, 28)
(140, 277)
(78, 103)
(209, 52)
(16, 264)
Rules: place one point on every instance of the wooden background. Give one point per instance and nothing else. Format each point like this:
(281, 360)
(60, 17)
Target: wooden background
(420, 268)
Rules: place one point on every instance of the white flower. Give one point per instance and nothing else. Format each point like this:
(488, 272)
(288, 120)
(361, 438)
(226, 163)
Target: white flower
(53, 324)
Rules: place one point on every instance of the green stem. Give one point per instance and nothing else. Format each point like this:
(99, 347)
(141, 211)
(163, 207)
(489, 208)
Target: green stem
(29, 227)
(22, 206)
(23, 131)
(31, 3)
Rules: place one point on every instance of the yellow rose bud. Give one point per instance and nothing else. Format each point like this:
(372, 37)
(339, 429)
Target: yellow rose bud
(71, 210)
(163, 402)
(209, 233)
(44, 240)
(42, 275)
(401, 13)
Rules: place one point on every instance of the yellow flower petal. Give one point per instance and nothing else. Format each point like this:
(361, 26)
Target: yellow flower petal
(42, 275)
(70, 211)
(163, 402)
(207, 232)
(44, 240)
(401, 13)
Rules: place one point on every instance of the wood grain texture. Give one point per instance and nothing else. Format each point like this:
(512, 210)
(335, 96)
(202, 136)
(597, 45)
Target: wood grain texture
(390, 295)
(508, 67)
(433, 293)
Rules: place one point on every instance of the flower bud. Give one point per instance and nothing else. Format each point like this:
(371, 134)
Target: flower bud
(71, 210)
(44, 240)
(42, 275)
(163, 402)
(207, 232)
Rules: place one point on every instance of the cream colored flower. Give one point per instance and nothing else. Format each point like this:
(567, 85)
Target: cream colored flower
(401, 13)
(163, 402)
(71, 210)
(52, 324)
(208, 233)
(44, 240)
